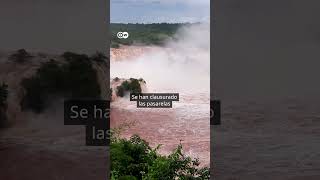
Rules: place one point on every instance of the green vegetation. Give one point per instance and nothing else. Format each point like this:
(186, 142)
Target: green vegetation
(120, 91)
(116, 79)
(75, 78)
(99, 57)
(131, 86)
(135, 159)
(148, 34)
(142, 80)
(3, 104)
(20, 56)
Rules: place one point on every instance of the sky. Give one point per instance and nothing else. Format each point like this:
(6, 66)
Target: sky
(154, 11)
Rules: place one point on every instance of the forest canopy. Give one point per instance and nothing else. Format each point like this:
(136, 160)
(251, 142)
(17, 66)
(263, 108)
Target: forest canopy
(148, 34)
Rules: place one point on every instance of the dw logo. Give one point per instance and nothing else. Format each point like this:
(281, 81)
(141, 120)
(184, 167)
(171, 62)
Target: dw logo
(122, 35)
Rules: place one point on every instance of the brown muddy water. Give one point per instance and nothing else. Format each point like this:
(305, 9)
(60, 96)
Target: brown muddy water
(165, 71)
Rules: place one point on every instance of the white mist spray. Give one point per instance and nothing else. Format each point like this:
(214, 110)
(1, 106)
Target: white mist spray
(181, 65)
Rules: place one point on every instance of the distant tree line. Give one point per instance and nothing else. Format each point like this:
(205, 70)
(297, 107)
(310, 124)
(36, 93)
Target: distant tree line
(148, 34)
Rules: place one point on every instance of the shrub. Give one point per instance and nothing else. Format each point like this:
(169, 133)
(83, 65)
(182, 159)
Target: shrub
(35, 94)
(52, 76)
(20, 56)
(116, 79)
(74, 79)
(128, 178)
(142, 80)
(120, 91)
(132, 86)
(81, 78)
(70, 56)
(99, 57)
(135, 159)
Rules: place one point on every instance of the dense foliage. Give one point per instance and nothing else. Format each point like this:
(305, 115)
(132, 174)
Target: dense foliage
(131, 86)
(99, 57)
(148, 34)
(75, 78)
(3, 104)
(134, 159)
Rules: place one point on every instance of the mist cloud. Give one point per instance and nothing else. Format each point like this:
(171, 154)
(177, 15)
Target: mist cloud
(182, 65)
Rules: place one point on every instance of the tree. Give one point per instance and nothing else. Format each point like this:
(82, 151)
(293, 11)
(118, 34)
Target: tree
(120, 91)
(76, 78)
(99, 57)
(134, 159)
(131, 86)
(20, 56)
